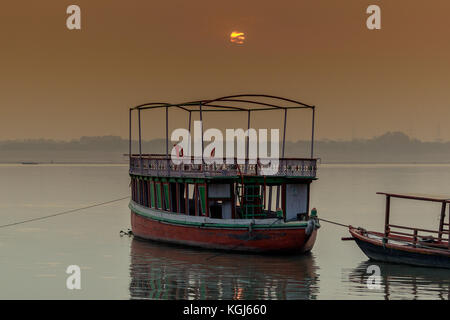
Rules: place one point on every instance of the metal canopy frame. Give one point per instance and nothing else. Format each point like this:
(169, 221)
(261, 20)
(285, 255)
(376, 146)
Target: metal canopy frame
(444, 200)
(233, 103)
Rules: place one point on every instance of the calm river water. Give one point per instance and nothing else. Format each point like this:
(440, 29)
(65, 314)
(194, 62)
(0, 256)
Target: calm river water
(34, 256)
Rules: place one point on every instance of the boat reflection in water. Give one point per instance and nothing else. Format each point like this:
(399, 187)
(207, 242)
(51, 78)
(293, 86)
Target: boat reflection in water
(401, 282)
(160, 271)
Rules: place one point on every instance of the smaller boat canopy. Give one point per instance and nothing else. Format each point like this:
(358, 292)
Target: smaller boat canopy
(419, 196)
(443, 230)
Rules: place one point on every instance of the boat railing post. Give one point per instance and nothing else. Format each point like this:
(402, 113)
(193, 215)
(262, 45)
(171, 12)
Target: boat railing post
(415, 237)
(386, 221)
(442, 219)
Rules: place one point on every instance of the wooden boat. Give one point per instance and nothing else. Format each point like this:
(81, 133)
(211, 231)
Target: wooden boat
(231, 206)
(407, 245)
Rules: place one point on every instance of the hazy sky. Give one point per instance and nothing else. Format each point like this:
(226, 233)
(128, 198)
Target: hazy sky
(61, 84)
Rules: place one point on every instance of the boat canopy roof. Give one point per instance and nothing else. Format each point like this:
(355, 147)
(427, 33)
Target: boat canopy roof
(247, 103)
(419, 196)
(241, 102)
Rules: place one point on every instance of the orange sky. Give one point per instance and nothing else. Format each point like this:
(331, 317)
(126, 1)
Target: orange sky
(63, 84)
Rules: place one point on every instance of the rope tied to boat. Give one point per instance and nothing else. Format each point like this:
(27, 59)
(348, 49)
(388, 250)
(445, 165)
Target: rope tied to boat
(334, 222)
(63, 212)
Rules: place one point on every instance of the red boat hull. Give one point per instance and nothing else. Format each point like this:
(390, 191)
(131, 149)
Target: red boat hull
(258, 240)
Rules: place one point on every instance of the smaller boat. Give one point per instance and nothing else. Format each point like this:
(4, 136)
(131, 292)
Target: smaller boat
(404, 244)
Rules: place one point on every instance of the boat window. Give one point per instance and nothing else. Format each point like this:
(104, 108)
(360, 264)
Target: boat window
(220, 201)
(179, 202)
(173, 197)
(297, 201)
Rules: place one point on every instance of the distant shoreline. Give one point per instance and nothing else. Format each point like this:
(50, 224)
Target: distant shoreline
(389, 148)
(126, 163)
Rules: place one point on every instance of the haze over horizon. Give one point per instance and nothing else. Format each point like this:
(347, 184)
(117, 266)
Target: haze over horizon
(392, 147)
(60, 84)
(111, 138)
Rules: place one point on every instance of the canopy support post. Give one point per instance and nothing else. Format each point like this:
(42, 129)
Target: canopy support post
(129, 137)
(284, 132)
(282, 154)
(190, 137)
(201, 123)
(140, 141)
(248, 142)
(167, 141)
(387, 216)
(441, 220)
(312, 131)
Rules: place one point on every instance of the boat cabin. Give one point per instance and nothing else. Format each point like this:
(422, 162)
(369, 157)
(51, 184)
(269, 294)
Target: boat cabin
(238, 188)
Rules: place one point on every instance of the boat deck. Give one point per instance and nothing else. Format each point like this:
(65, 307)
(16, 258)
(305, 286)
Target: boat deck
(162, 166)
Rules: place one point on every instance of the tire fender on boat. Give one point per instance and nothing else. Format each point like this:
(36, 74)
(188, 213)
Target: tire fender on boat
(313, 224)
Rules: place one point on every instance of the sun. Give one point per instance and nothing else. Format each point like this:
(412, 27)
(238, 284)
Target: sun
(237, 37)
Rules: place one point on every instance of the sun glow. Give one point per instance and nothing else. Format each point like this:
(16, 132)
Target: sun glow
(237, 37)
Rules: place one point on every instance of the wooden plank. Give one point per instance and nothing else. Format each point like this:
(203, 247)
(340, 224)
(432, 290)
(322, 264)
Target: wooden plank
(418, 229)
(418, 197)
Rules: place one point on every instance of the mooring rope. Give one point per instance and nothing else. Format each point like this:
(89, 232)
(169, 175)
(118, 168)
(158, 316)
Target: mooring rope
(334, 222)
(61, 213)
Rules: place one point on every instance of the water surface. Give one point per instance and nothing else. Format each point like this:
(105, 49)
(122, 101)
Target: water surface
(34, 256)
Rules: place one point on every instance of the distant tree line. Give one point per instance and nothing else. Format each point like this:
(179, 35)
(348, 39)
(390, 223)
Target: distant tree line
(389, 147)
